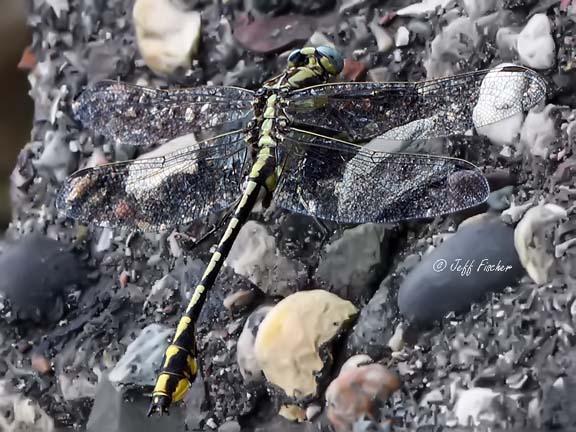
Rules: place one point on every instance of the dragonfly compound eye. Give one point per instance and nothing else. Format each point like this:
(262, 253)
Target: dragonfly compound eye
(296, 58)
(330, 59)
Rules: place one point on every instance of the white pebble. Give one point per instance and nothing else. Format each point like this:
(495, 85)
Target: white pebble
(531, 239)
(535, 43)
(474, 404)
(538, 132)
(424, 8)
(402, 36)
(478, 8)
(168, 37)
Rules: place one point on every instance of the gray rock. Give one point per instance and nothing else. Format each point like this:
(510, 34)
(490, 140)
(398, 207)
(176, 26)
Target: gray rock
(255, 256)
(479, 259)
(35, 274)
(499, 200)
(143, 357)
(374, 326)
(249, 368)
(559, 404)
(355, 263)
(111, 413)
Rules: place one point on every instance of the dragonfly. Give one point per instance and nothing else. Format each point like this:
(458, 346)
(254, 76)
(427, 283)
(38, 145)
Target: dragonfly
(302, 140)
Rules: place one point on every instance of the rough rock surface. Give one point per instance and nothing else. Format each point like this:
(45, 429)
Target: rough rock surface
(518, 343)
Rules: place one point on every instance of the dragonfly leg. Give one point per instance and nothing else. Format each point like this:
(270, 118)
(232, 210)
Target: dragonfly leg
(215, 227)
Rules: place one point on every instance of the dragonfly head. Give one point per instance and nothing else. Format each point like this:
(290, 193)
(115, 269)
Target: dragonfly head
(328, 59)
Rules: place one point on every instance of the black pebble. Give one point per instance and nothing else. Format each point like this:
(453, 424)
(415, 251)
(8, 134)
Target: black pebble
(437, 286)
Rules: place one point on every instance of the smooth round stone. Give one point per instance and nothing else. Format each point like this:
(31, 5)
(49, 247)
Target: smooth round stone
(294, 336)
(479, 259)
(35, 274)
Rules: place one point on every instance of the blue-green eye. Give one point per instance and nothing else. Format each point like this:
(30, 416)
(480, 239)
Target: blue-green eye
(331, 59)
(295, 58)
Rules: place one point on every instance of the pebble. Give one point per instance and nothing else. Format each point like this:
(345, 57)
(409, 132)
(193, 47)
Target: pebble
(36, 272)
(105, 240)
(112, 412)
(292, 412)
(268, 35)
(56, 155)
(475, 405)
(384, 41)
(478, 259)
(249, 367)
(402, 37)
(356, 361)
(559, 403)
(458, 41)
(425, 7)
(230, 426)
(499, 200)
(536, 47)
(356, 394)
(28, 60)
(507, 41)
(354, 70)
(168, 36)
(538, 132)
(41, 364)
(74, 386)
(478, 8)
(289, 339)
(20, 413)
(313, 411)
(143, 357)
(255, 256)
(356, 262)
(532, 240)
(374, 328)
(239, 299)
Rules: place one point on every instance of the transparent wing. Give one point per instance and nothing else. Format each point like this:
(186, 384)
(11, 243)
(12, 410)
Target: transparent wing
(358, 112)
(136, 115)
(156, 193)
(346, 183)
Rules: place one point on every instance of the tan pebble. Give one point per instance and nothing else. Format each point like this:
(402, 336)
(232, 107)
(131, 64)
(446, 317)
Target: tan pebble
(356, 361)
(239, 299)
(355, 392)
(289, 340)
(292, 413)
(41, 364)
(124, 279)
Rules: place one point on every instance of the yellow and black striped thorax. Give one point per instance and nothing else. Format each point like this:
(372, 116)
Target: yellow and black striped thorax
(307, 66)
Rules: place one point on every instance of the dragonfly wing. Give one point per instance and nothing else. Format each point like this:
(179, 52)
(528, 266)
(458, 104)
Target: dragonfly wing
(449, 106)
(347, 183)
(156, 193)
(137, 115)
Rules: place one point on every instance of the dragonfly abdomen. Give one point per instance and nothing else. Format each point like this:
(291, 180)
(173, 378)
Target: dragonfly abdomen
(179, 367)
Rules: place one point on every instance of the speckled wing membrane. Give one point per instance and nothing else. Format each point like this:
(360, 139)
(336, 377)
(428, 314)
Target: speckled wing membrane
(135, 115)
(444, 107)
(156, 193)
(347, 183)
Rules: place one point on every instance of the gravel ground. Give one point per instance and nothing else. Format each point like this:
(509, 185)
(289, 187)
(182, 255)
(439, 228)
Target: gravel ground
(75, 298)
